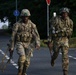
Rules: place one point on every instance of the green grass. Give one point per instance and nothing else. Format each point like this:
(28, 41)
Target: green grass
(72, 43)
(43, 44)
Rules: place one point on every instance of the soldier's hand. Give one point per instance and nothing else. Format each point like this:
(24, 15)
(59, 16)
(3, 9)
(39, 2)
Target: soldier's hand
(37, 47)
(11, 50)
(50, 45)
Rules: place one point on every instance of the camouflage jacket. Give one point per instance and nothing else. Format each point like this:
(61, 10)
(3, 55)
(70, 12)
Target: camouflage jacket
(60, 27)
(25, 33)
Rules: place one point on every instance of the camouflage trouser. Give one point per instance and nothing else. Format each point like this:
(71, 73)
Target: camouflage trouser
(24, 57)
(61, 43)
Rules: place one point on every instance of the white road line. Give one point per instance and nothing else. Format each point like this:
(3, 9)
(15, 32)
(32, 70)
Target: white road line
(16, 66)
(70, 56)
(12, 62)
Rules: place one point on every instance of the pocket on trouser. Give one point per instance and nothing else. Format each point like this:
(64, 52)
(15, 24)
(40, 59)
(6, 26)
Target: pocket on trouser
(21, 61)
(28, 57)
(27, 61)
(65, 58)
(20, 49)
(65, 41)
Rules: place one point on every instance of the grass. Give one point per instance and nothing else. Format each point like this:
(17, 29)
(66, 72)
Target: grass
(72, 43)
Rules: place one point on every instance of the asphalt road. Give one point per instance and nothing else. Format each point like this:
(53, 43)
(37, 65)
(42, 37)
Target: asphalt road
(40, 63)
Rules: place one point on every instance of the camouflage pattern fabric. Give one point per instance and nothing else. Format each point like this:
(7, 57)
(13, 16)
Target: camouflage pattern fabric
(24, 33)
(23, 36)
(61, 27)
(61, 44)
(60, 31)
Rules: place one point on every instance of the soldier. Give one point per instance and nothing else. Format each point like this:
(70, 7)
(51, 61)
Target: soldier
(25, 36)
(61, 31)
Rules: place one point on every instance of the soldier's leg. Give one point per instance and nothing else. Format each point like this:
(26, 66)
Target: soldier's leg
(55, 54)
(65, 60)
(26, 65)
(21, 64)
(27, 62)
(22, 57)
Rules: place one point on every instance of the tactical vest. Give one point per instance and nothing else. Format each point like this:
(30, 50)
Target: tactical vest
(24, 32)
(62, 27)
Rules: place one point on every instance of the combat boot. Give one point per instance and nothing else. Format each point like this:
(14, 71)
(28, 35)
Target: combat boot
(52, 62)
(65, 72)
(24, 74)
(24, 70)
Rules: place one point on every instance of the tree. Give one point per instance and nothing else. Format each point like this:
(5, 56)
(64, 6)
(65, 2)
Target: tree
(37, 9)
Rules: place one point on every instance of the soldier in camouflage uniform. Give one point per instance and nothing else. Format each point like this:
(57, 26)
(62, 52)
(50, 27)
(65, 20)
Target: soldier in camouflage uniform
(25, 36)
(60, 32)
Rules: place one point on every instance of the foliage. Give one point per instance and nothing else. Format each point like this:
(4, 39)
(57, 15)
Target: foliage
(72, 43)
(4, 27)
(38, 11)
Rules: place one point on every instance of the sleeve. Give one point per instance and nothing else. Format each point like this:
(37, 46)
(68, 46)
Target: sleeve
(14, 31)
(69, 29)
(36, 35)
(71, 25)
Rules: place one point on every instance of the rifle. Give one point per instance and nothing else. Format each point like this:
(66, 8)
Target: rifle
(50, 44)
(2, 64)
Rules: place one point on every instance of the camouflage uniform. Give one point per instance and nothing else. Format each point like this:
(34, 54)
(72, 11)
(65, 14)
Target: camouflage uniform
(26, 37)
(61, 31)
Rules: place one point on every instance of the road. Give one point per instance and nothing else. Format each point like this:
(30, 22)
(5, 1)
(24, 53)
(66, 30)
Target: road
(40, 63)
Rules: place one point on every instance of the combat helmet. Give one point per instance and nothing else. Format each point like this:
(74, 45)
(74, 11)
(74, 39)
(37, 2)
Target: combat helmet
(64, 10)
(25, 12)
